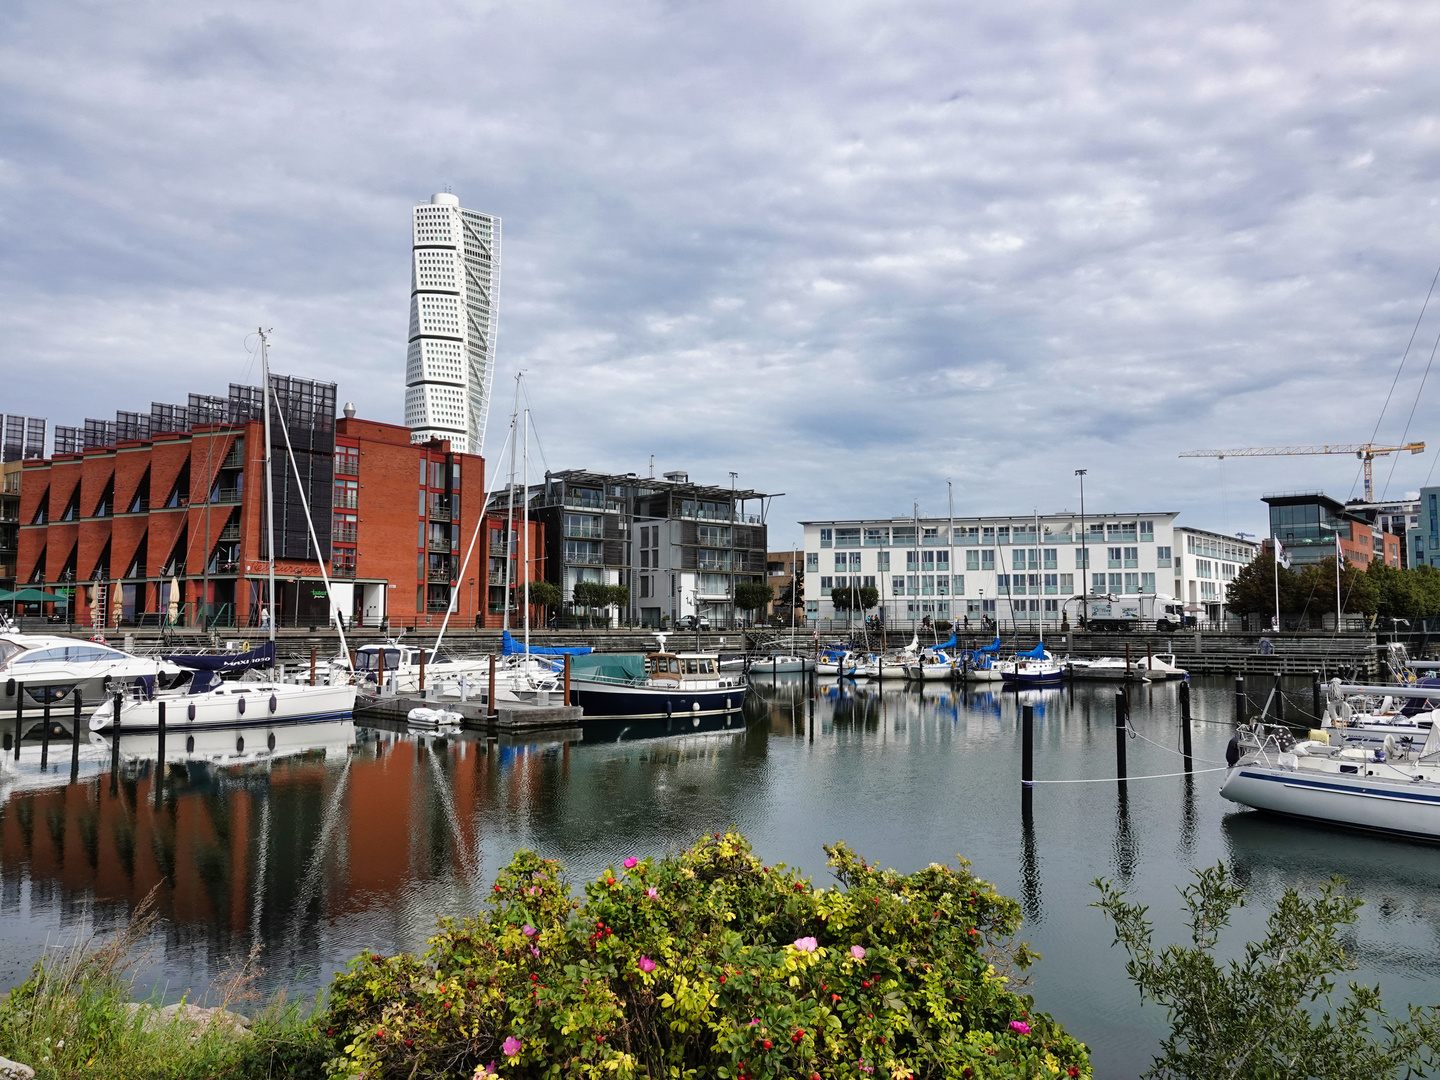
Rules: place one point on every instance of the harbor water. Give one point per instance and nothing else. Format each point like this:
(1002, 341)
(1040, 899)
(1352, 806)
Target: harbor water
(358, 838)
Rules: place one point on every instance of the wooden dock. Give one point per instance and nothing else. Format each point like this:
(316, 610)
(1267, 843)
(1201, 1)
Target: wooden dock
(509, 716)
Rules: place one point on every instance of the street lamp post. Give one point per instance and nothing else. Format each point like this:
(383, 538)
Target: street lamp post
(1084, 545)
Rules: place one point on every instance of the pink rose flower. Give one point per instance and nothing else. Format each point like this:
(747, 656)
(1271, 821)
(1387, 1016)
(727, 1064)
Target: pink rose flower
(646, 964)
(806, 944)
(652, 892)
(857, 951)
(528, 930)
(631, 863)
(1020, 1026)
(511, 1046)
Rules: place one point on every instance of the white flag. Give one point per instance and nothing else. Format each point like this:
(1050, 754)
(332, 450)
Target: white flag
(1339, 551)
(1281, 555)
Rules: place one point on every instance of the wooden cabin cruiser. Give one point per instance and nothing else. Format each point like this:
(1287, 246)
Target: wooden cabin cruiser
(51, 668)
(661, 684)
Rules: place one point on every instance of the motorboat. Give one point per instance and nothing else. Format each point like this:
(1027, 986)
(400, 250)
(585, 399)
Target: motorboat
(1367, 715)
(838, 662)
(1160, 666)
(780, 665)
(660, 684)
(1033, 668)
(51, 668)
(1108, 669)
(208, 700)
(395, 669)
(1386, 789)
(932, 665)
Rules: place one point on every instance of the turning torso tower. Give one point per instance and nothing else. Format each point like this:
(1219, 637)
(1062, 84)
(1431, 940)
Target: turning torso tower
(454, 277)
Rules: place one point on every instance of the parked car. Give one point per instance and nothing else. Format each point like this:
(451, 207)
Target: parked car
(690, 622)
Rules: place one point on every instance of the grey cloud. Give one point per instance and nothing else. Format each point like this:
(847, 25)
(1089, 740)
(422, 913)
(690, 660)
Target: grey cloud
(847, 250)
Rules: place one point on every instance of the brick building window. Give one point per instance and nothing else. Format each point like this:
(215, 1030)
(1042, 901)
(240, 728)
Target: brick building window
(347, 461)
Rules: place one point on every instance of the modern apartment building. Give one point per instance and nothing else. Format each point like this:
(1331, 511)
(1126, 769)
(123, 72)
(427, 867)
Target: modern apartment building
(450, 363)
(680, 548)
(1205, 563)
(1025, 570)
(1307, 522)
(1423, 541)
(166, 519)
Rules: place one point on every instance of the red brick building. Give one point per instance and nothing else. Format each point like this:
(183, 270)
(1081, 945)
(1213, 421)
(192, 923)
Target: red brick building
(172, 525)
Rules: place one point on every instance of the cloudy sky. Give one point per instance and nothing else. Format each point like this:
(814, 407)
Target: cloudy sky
(847, 250)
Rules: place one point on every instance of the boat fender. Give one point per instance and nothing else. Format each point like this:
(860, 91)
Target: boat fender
(273, 703)
(241, 706)
(190, 742)
(1232, 750)
(694, 706)
(270, 742)
(190, 710)
(240, 744)
(9, 687)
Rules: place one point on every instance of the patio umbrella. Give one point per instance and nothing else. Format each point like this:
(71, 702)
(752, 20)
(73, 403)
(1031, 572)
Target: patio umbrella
(6, 594)
(116, 604)
(174, 598)
(94, 606)
(33, 596)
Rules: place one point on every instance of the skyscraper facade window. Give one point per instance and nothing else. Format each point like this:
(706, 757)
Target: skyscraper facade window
(454, 279)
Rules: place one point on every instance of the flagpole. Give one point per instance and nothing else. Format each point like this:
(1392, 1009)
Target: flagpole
(1277, 586)
(1338, 556)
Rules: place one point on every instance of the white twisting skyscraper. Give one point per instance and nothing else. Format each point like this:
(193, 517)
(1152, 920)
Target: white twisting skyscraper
(451, 363)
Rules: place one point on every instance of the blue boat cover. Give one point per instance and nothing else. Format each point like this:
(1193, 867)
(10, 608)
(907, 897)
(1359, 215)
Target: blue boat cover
(264, 656)
(1037, 653)
(992, 648)
(509, 646)
(945, 644)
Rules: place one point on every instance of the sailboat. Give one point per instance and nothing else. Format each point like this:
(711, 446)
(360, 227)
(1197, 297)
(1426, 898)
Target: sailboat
(206, 700)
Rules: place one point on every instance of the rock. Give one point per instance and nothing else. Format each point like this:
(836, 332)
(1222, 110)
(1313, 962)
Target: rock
(196, 1016)
(13, 1070)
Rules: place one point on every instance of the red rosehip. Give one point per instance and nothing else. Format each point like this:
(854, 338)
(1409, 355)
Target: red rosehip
(766, 1044)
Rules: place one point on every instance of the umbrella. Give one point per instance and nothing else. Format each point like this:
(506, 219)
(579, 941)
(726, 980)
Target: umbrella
(33, 596)
(95, 606)
(6, 594)
(174, 598)
(116, 604)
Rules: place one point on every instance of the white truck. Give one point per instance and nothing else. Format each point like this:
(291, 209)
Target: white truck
(1125, 613)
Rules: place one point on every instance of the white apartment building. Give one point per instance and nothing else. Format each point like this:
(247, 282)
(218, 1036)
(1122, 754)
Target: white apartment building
(449, 367)
(1205, 564)
(1014, 570)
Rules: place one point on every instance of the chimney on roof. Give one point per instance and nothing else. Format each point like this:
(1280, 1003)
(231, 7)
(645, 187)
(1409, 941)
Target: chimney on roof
(349, 410)
(678, 477)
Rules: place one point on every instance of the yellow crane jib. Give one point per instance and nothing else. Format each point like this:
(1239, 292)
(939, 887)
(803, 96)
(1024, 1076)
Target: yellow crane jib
(1366, 452)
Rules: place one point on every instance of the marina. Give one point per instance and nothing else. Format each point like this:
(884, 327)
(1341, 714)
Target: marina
(359, 841)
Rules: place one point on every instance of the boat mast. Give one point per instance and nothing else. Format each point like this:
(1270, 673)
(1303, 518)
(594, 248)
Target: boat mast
(1042, 570)
(510, 511)
(269, 483)
(525, 531)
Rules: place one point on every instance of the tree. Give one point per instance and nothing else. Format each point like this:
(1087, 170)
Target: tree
(1268, 1013)
(843, 598)
(617, 596)
(751, 596)
(793, 595)
(588, 595)
(1253, 590)
(868, 598)
(544, 594)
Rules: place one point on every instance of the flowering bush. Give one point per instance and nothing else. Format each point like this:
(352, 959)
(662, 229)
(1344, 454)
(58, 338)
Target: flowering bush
(702, 964)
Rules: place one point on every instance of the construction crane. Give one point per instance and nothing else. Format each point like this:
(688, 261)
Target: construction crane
(1366, 452)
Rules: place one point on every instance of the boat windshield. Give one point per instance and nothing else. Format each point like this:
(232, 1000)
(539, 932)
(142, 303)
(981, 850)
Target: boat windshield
(369, 659)
(70, 654)
(698, 666)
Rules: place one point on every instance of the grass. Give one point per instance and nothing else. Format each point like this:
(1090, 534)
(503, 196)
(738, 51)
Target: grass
(73, 1018)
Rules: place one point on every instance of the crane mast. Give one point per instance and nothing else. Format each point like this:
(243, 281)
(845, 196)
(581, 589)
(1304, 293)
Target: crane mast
(1366, 452)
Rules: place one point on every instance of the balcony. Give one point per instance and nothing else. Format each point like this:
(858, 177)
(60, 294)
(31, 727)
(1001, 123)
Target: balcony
(230, 532)
(584, 532)
(342, 572)
(225, 495)
(439, 513)
(497, 578)
(440, 577)
(340, 534)
(235, 459)
(499, 550)
(347, 500)
(584, 558)
(440, 543)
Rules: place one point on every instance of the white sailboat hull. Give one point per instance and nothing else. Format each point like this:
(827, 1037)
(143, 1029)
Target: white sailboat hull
(1398, 806)
(232, 705)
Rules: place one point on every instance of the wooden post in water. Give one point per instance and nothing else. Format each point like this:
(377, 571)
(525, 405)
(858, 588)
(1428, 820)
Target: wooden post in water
(1122, 710)
(19, 715)
(160, 756)
(1240, 703)
(1185, 722)
(45, 739)
(1128, 675)
(422, 674)
(1027, 754)
(75, 739)
(312, 665)
(115, 734)
(567, 680)
(1315, 697)
(490, 701)
(1149, 655)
